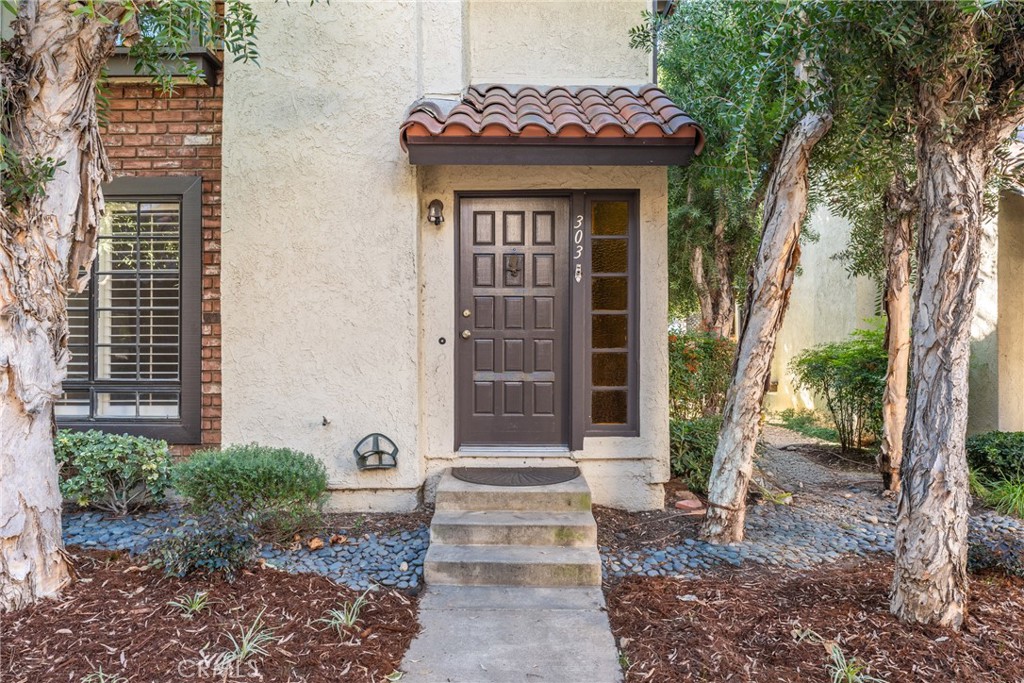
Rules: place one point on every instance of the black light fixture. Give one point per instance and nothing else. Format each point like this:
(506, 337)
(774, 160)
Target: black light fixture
(376, 452)
(435, 212)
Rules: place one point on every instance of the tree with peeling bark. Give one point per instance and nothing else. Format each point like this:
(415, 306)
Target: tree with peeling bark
(53, 164)
(964, 65)
(759, 79)
(863, 173)
(714, 202)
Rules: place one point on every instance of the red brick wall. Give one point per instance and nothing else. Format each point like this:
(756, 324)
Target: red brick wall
(152, 134)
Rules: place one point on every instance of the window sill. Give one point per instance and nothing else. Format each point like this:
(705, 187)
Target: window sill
(171, 432)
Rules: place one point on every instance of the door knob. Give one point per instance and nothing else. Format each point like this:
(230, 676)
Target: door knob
(466, 334)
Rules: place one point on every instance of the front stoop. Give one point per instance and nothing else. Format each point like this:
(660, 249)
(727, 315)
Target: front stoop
(512, 536)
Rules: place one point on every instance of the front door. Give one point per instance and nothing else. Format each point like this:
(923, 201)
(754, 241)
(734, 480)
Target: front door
(511, 317)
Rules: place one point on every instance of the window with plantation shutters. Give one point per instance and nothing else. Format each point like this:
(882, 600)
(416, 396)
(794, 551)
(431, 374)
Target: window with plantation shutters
(134, 334)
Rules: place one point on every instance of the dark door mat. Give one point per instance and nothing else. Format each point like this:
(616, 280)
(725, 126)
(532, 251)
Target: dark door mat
(516, 476)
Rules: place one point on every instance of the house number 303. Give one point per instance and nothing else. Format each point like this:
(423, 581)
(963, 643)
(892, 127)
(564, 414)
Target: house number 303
(577, 240)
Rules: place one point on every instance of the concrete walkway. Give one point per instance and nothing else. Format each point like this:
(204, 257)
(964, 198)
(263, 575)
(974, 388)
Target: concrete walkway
(499, 634)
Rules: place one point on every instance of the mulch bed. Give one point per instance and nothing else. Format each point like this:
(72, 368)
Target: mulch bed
(739, 627)
(625, 531)
(378, 522)
(117, 619)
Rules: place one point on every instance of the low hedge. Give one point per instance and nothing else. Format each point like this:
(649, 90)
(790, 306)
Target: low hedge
(284, 488)
(693, 444)
(997, 456)
(113, 472)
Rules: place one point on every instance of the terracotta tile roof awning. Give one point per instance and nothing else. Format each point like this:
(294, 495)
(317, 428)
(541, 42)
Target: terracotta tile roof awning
(557, 125)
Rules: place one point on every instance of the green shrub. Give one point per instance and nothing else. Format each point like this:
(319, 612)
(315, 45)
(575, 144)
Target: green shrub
(700, 368)
(285, 489)
(117, 473)
(850, 375)
(222, 539)
(693, 444)
(996, 456)
(807, 422)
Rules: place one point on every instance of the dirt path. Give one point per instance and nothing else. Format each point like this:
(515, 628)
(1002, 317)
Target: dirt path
(786, 465)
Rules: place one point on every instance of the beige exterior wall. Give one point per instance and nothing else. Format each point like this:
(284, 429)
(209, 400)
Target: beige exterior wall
(983, 373)
(826, 305)
(335, 289)
(1010, 342)
(623, 472)
(556, 42)
(319, 240)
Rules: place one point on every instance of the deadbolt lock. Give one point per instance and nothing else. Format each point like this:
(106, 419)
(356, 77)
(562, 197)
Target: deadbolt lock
(466, 313)
(466, 334)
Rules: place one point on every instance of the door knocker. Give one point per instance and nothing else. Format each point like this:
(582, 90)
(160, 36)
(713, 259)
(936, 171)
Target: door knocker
(513, 265)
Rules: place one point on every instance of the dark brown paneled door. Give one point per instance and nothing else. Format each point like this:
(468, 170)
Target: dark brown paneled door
(511, 317)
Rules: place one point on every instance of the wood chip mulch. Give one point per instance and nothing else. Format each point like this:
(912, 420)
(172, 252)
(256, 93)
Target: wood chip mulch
(378, 522)
(740, 627)
(624, 531)
(116, 619)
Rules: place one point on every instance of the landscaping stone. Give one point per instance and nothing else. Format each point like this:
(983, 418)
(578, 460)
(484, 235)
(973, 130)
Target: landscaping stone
(358, 562)
(835, 516)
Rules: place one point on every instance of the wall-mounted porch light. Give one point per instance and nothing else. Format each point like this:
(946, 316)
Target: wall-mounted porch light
(376, 452)
(435, 212)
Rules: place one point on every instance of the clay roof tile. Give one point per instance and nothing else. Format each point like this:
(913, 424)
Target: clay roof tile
(569, 111)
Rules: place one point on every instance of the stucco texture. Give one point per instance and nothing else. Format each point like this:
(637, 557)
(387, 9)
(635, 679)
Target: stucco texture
(319, 240)
(334, 287)
(1011, 313)
(556, 42)
(826, 305)
(622, 472)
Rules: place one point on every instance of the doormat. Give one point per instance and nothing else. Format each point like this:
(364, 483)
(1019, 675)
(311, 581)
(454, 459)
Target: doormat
(516, 476)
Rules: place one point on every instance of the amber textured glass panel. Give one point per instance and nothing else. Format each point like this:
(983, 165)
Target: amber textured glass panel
(609, 407)
(610, 293)
(609, 255)
(610, 369)
(610, 331)
(610, 218)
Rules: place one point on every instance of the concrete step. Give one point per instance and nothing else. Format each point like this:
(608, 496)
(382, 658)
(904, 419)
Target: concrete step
(501, 565)
(457, 495)
(494, 527)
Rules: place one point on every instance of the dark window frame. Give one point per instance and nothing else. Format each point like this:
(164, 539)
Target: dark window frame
(187, 428)
(631, 428)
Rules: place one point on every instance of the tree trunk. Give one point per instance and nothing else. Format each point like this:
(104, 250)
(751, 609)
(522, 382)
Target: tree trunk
(717, 303)
(725, 304)
(930, 582)
(900, 211)
(767, 297)
(46, 248)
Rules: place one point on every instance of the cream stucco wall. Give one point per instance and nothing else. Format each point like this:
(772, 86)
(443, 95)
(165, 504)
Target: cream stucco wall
(623, 472)
(1011, 313)
(334, 287)
(556, 42)
(983, 373)
(826, 305)
(320, 226)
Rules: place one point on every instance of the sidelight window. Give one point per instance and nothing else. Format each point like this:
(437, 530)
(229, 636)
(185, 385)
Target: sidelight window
(613, 324)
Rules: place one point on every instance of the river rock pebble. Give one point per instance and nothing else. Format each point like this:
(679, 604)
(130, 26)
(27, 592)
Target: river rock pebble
(817, 528)
(360, 562)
